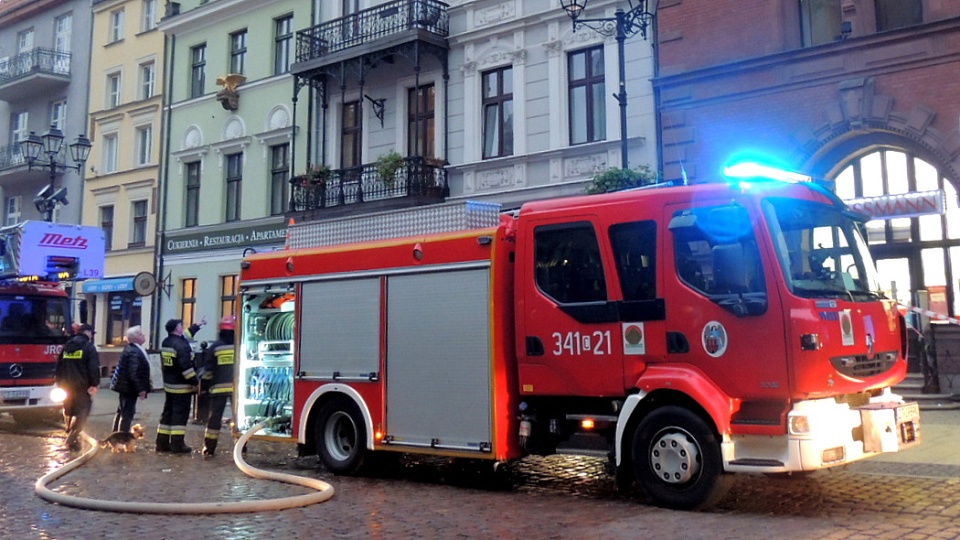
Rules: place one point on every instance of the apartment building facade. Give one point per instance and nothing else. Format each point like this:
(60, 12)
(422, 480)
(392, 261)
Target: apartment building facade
(228, 142)
(122, 176)
(44, 67)
(499, 101)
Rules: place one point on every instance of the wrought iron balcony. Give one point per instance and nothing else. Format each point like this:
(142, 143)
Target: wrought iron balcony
(423, 179)
(391, 19)
(40, 69)
(10, 156)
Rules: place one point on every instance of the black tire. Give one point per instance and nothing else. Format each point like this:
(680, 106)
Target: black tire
(677, 460)
(341, 437)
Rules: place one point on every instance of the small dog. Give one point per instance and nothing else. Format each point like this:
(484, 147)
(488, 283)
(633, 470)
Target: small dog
(123, 441)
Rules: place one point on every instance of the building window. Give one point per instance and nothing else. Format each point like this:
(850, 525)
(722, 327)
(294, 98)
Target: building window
(234, 179)
(18, 132)
(124, 310)
(116, 26)
(144, 145)
(498, 113)
(109, 164)
(279, 178)
(238, 51)
(198, 68)
(188, 301)
(113, 90)
(893, 14)
(106, 223)
(138, 209)
(192, 208)
(588, 110)
(62, 33)
(149, 12)
(283, 44)
(148, 77)
(350, 133)
(420, 121)
(228, 295)
(820, 21)
(58, 113)
(11, 211)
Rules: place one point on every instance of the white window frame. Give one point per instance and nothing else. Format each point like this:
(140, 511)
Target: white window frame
(108, 162)
(116, 25)
(63, 32)
(114, 89)
(144, 145)
(148, 79)
(11, 210)
(149, 12)
(58, 114)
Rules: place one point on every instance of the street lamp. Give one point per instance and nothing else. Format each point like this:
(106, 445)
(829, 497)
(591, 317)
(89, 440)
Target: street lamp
(50, 144)
(623, 24)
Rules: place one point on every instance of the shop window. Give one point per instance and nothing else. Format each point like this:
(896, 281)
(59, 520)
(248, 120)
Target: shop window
(228, 295)
(188, 300)
(123, 311)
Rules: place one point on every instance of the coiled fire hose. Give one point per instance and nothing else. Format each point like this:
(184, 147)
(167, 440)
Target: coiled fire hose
(323, 490)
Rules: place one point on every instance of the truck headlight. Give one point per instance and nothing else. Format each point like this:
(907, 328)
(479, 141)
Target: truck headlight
(799, 425)
(57, 395)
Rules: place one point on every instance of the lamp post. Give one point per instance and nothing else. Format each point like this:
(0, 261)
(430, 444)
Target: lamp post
(49, 145)
(623, 24)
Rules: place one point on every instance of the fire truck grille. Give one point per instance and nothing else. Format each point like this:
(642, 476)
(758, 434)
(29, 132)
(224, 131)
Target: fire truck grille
(860, 366)
(11, 372)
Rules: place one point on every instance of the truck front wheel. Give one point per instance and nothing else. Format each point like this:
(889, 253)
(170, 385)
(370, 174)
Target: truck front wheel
(341, 436)
(677, 460)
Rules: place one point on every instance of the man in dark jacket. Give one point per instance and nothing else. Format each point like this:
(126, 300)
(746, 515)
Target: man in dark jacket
(78, 372)
(131, 378)
(179, 384)
(218, 361)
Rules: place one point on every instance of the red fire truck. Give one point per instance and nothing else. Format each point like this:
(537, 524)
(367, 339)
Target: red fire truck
(686, 332)
(36, 258)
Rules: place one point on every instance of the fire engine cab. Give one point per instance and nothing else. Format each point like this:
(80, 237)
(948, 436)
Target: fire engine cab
(36, 260)
(685, 332)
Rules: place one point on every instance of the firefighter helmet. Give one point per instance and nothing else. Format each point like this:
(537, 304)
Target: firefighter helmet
(228, 322)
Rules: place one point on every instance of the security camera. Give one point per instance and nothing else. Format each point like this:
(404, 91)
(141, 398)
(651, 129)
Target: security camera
(60, 196)
(44, 193)
(41, 204)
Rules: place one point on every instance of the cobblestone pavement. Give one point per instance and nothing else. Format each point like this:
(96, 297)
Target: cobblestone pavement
(539, 498)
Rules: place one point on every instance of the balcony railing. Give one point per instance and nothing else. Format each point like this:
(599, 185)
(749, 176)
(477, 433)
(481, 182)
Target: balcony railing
(35, 61)
(363, 184)
(10, 156)
(372, 24)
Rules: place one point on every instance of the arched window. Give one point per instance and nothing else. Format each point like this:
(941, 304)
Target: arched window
(912, 253)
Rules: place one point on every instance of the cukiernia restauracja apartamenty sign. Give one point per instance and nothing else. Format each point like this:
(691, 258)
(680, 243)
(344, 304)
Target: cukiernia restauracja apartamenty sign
(235, 237)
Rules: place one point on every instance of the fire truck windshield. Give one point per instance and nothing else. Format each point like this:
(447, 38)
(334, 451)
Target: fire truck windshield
(32, 319)
(821, 250)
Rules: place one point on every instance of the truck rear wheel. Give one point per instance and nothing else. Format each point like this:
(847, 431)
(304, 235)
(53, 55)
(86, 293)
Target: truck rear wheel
(341, 437)
(677, 460)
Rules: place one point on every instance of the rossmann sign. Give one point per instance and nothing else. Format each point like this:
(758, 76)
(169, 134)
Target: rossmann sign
(900, 206)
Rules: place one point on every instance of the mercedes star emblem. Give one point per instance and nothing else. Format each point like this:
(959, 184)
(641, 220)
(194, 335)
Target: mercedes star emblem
(16, 370)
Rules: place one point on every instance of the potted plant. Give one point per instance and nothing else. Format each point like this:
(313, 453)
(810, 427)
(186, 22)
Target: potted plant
(387, 166)
(319, 174)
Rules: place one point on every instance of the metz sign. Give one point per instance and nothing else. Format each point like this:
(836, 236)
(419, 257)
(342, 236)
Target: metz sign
(899, 206)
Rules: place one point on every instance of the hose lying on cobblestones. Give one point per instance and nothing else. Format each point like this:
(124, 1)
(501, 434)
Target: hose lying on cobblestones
(323, 490)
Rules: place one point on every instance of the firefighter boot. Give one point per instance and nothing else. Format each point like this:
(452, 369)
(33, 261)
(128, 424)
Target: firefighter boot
(177, 445)
(209, 447)
(163, 442)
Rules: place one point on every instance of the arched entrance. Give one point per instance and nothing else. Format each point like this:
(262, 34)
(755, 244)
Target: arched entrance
(918, 253)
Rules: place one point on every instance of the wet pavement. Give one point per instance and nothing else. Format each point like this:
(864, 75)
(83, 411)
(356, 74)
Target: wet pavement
(913, 494)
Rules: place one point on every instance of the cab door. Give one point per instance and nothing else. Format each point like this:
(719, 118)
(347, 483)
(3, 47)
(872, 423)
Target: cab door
(571, 306)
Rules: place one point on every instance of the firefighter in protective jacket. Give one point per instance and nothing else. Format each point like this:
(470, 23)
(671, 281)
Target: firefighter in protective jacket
(218, 361)
(179, 384)
(78, 372)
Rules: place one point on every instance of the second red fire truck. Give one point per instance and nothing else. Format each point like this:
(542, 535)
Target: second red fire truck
(686, 332)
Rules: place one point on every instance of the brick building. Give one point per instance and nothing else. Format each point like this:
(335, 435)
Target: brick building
(860, 94)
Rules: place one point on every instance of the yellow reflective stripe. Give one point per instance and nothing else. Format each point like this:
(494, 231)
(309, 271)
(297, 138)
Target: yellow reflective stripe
(75, 355)
(225, 357)
(168, 356)
(189, 373)
(178, 388)
(222, 388)
(178, 430)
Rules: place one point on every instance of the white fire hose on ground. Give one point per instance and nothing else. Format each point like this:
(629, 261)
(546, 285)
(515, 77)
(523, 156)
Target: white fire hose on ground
(323, 490)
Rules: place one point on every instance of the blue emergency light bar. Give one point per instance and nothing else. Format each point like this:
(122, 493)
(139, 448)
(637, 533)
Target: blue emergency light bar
(749, 169)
